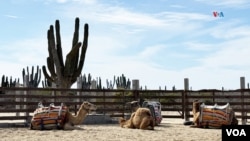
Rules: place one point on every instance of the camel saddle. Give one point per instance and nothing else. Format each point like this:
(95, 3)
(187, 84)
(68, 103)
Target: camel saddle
(215, 116)
(51, 117)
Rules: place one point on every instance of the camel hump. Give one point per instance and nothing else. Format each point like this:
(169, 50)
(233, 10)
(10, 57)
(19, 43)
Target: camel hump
(144, 111)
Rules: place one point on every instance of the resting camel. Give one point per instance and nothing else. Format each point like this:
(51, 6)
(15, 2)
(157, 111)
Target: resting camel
(141, 119)
(196, 113)
(210, 118)
(134, 105)
(68, 122)
(72, 120)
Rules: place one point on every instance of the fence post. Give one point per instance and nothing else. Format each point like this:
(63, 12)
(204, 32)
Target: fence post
(94, 86)
(18, 99)
(243, 113)
(26, 85)
(135, 88)
(79, 86)
(135, 84)
(54, 92)
(186, 89)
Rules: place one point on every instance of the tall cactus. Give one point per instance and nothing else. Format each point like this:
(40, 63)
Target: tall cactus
(64, 75)
(33, 79)
(99, 83)
(110, 84)
(46, 83)
(86, 81)
(123, 83)
(8, 83)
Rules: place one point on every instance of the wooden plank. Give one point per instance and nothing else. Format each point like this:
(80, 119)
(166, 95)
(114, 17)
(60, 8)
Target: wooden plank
(15, 117)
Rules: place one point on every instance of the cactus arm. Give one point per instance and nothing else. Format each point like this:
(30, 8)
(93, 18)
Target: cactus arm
(55, 57)
(69, 64)
(59, 45)
(46, 75)
(75, 42)
(83, 51)
(31, 76)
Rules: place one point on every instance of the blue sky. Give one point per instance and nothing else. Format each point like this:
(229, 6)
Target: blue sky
(159, 42)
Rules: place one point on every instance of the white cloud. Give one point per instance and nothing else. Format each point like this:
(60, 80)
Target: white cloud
(151, 51)
(177, 6)
(185, 16)
(86, 1)
(232, 54)
(61, 1)
(121, 16)
(198, 46)
(228, 3)
(230, 32)
(12, 16)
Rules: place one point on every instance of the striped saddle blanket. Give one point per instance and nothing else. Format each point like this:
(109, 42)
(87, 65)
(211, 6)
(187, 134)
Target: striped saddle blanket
(215, 116)
(51, 117)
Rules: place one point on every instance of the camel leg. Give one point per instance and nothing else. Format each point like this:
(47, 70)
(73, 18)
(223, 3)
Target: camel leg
(68, 126)
(152, 123)
(145, 123)
(196, 120)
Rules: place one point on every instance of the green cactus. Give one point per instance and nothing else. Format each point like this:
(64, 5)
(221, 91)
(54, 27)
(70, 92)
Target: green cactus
(86, 81)
(64, 75)
(122, 82)
(46, 83)
(33, 79)
(110, 85)
(99, 83)
(8, 83)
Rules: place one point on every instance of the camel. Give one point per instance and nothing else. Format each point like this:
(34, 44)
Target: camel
(141, 119)
(212, 116)
(134, 105)
(69, 120)
(196, 113)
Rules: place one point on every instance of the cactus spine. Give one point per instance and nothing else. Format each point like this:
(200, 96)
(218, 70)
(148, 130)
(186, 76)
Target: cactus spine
(64, 75)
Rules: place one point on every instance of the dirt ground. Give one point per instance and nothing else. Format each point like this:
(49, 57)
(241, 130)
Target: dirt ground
(168, 130)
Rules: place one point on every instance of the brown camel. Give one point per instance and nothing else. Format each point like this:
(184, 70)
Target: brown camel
(41, 120)
(196, 113)
(72, 120)
(208, 116)
(141, 119)
(134, 105)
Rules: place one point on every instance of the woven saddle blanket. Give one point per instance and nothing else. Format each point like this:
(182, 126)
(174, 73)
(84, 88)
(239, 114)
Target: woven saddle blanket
(215, 116)
(51, 117)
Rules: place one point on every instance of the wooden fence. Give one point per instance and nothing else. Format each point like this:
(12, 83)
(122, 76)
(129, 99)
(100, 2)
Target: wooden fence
(20, 103)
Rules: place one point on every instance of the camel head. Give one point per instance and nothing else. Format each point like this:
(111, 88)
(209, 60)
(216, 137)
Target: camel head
(134, 105)
(196, 106)
(121, 121)
(89, 107)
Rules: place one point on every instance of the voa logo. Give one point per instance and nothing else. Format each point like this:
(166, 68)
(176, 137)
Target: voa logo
(236, 132)
(218, 14)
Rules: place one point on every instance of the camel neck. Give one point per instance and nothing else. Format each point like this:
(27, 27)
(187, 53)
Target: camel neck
(79, 117)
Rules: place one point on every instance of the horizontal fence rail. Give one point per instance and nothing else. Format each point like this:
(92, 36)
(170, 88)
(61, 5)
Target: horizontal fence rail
(20, 103)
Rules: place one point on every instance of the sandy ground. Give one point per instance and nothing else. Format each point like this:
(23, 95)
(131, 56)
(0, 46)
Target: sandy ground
(168, 130)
